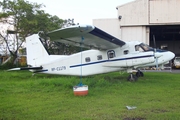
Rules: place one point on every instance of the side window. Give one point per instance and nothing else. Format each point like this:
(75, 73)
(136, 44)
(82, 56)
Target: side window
(126, 52)
(99, 57)
(111, 54)
(87, 59)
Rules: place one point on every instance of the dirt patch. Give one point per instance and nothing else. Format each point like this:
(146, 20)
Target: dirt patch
(128, 118)
(158, 111)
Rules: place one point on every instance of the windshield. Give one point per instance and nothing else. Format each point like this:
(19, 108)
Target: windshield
(143, 47)
(146, 47)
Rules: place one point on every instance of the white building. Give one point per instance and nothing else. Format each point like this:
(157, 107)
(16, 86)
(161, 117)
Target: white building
(11, 38)
(141, 19)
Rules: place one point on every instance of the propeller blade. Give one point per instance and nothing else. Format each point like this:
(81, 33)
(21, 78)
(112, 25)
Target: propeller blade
(155, 53)
(154, 40)
(156, 63)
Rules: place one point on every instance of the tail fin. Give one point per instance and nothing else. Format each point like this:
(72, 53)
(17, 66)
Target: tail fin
(36, 53)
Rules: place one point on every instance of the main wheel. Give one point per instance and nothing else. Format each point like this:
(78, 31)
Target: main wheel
(139, 74)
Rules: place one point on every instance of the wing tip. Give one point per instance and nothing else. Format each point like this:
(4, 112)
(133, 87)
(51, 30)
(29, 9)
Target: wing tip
(14, 69)
(25, 68)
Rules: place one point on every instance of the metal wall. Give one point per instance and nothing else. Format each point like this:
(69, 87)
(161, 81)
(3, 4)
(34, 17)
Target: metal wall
(110, 26)
(164, 11)
(148, 12)
(134, 13)
(136, 33)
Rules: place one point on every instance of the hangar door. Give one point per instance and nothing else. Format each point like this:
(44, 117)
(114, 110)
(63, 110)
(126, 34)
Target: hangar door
(167, 37)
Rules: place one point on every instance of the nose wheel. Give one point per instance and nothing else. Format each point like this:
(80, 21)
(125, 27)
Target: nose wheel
(132, 77)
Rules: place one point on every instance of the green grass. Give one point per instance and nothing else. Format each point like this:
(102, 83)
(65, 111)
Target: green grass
(23, 96)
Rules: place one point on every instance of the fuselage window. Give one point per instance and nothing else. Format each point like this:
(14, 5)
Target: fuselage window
(87, 59)
(126, 52)
(111, 54)
(99, 57)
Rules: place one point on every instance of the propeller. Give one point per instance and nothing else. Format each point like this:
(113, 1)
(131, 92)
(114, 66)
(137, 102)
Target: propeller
(155, 53)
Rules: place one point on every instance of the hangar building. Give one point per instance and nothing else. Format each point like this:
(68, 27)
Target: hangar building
(140, 20)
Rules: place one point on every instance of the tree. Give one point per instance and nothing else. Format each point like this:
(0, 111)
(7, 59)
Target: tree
(24, 18)
(61, 48)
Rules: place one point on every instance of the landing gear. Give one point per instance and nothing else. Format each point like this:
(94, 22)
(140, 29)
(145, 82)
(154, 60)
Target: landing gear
(132, 77)
(139, 74)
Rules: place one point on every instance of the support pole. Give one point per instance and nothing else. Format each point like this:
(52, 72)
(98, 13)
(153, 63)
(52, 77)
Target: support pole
(82, 39)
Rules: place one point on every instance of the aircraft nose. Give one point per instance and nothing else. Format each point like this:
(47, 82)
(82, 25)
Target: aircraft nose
(170, 55)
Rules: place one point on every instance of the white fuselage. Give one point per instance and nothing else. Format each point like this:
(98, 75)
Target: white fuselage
(92, 62)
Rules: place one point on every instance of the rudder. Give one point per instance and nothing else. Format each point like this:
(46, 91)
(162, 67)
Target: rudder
(36, 53)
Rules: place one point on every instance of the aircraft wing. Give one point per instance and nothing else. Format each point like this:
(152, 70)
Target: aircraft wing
(85, 36)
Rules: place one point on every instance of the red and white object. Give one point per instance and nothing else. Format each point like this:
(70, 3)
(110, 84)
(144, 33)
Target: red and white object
(80, 90)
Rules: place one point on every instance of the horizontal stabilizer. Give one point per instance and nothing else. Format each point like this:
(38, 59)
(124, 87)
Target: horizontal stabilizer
(25, 68)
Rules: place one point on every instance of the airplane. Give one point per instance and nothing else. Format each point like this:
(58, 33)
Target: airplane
(106, 54)
(176, 62)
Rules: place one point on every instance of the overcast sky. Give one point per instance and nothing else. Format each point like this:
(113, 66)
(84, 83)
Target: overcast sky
(82, 11)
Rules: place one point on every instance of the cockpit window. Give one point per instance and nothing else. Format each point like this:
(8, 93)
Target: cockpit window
(138, 48)
(143, 47)
(146, 47)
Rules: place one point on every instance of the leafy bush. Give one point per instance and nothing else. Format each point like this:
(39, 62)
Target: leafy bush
(6, 66)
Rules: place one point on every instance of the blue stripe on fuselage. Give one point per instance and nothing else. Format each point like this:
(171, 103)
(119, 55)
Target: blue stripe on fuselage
(88, 63)
(78, 65)
(157, 50)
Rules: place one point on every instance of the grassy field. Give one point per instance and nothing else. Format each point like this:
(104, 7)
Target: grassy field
(23, 96)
